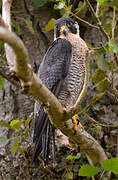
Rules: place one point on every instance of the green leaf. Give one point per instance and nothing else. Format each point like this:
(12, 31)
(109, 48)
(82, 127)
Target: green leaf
(98, 76)
(70, 157)
(113, 48)
(29, 25)
(1, 44)
(5, 124)
(40, 3)
(111, 165)
(3, 140)
(66, 12)
(81, 10)
(15, 124)
(15, 147)
(108, 27)
(101, 1)
(96, 98)
(88, 171)
(103, 85)
(1, 82)
(28, 120)
(102, 63)
(50, 25)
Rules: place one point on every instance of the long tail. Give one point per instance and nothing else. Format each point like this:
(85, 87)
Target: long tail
(42, 131)
(42, 136)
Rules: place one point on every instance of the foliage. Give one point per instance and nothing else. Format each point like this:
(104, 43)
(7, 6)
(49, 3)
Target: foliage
(50, 25)
(108, 165)
(90, 171)
(40, 3)
(16, 26)
(22, 130)
(111, 165)
(1, 82)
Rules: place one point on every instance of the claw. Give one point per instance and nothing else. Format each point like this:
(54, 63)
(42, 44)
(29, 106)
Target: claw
(76, 122)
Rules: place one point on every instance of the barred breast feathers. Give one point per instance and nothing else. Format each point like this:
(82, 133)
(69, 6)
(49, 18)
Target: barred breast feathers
(77, 71)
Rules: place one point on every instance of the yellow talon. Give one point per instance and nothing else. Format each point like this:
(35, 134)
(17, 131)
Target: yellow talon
(75, 121)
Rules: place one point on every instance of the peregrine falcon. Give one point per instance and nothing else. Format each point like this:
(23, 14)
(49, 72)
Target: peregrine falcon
(63, 71)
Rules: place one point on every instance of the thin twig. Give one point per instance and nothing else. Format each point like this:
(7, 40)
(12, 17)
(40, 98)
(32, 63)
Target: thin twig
(8, 78)
(83, 21)
(113, 21)
(103, 125)
(96, 48)
(114, 95)
(102, 175)
(113, 57)
(98, 20)
(97, 8)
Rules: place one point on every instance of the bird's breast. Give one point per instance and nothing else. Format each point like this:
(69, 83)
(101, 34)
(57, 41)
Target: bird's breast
(75, 79)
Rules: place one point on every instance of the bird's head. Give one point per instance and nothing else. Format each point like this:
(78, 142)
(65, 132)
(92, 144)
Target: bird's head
(64, 26)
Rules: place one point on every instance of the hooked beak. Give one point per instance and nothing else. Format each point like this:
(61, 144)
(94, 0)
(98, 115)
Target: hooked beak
(64, 30)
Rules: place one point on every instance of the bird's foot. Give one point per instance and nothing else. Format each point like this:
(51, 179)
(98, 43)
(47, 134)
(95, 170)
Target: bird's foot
(76, 122)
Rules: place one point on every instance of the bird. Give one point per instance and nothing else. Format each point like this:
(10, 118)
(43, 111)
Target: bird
(63, 72)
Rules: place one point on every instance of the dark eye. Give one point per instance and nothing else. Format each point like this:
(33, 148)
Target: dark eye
(69, 24)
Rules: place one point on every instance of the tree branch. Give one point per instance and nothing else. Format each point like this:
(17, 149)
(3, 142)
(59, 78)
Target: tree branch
(4, 72)
(11, 59)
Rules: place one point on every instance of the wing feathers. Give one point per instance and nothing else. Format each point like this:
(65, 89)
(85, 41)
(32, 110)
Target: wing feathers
(52, 71)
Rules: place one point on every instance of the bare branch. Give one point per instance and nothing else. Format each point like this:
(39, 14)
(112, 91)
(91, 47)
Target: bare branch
(99, 124)
(83, 21)
(113, 21)
(6, 6)
(97, 8)
(98, 20)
